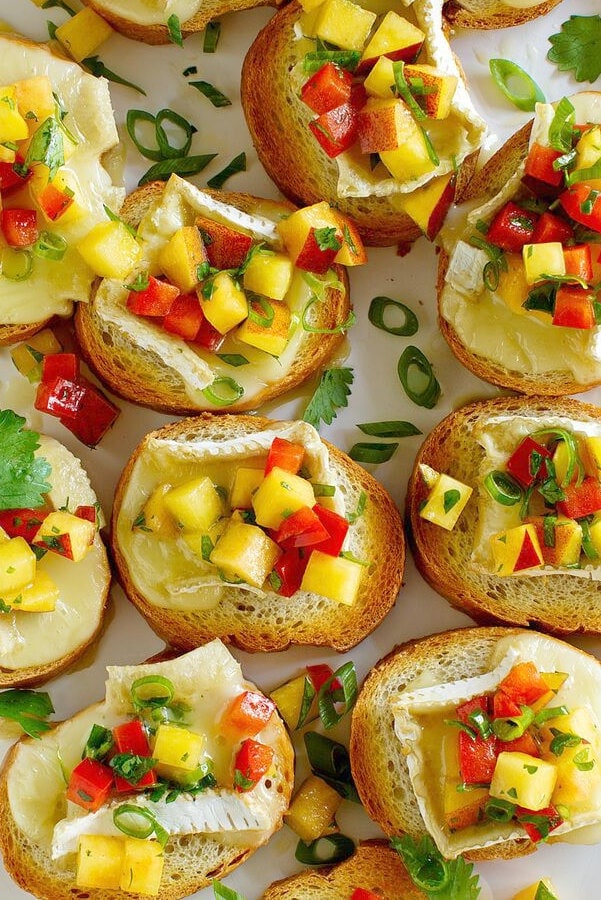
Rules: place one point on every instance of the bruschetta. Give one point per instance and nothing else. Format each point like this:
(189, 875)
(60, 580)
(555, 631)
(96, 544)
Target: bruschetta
(173, 780)
(381, 124)
(56, 133)
(502, 507)
(487, 739)
(55, 574)
(217, 519)
(488, 14)
(517, 290)
(231, 301)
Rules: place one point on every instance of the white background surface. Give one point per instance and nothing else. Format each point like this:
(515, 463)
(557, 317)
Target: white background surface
(377, 393)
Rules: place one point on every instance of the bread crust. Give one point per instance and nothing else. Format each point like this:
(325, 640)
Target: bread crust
(378, 764)
(559, 603)
(374, 866)
(288, 151)
(457, 15)
(138, 379)
(243, 620)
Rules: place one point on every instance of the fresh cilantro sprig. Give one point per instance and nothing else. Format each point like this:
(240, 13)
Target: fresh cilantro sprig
(23, 476)
(30, 709)
(577, 47)
(437, 877)
(331, 394)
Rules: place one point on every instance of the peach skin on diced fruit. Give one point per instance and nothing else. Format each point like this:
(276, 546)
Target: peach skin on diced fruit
(65, 534)
(266, 332)
(396, 38)
(297, 232)
(180, 257)
(433, 90)
(382, 124)
(226, 248)
(428, 205)
(567, 540)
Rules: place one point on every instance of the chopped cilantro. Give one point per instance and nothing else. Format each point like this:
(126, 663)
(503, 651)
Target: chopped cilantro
(577, 47)
(23, 476)
(331, 394)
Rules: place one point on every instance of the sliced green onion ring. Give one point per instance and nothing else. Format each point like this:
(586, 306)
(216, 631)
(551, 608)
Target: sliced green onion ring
(347, 695)
(376, 315)
(389, 429)
(519, 88)
(133, 117)
(503, 488)
(549, 712)
(152, 690)
(366, 452)
(168, 150)
(266, 320)
(312, 329)
(560, 129)
(50, 246)
(233, 359)
(16, 265)
(138, 822)
(312, 854)
(224, 391)
(499, 810)
(512, 727)
(330, 760)
(412, 360)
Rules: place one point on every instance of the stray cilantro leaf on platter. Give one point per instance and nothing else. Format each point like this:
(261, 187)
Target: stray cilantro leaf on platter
(331, 394)
(577, 47)
(23, 476)
(437, 877)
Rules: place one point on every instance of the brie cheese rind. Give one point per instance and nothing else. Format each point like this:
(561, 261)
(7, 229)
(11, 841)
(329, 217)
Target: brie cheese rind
(483, 322)
(498, 437)
(166, 572)
(24, 636)
(196, 369)
(206, 679)
(53, 286)
(152, 12)
(436, 702)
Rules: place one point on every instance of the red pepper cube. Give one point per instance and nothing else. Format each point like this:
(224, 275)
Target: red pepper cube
(477, 758)
(327, 88)
(89, 513)
(60, 397)
(155, 300)
(289, 569)
(23, 522)
(94, 417)
(54, 201)
(504, 706)
(248, 713)
(19, 227)
(581, 499)
(535, 830)
(208, 337)
(301, 529)
(551, 228)
(184, 317)
(336, 129)
(60, 365)
(336, 526)
(476, 704)
(319, 674)
(539, 165)
(90, 784)
(253, 760)
(527, 462)
(583, 204)
(285, 455)
(573, 308)
(130, 737)
(10, 176)
(579, 261)
(512, 227)
(524, 684)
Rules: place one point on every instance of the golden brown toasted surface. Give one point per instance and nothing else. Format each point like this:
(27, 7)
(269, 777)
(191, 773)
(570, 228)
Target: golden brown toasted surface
(140, 376)
(501, 16)
(374, 866)
(557, 603)
(255, 623)
(13, 334)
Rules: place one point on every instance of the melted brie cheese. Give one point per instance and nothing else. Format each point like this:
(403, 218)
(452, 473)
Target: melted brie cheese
(54, 285)
(434, 703)
(152, 12)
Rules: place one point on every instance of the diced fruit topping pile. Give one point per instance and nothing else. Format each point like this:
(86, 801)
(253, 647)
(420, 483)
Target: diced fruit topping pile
(271, 529)
(512, 757)
(157, 755)
(544, 247)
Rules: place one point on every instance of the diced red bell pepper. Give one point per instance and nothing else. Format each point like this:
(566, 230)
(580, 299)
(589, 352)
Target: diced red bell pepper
(512, 227)
(578, 261)
(24, 522)
(208, 337)
(465, 710)
(184, 317)
(89, 513)
(94, 417)
(90, 784)
(247, 714)
(285, 455)
(336, 526)
(504, 706)
(524, 684)
(573, 308)
(319, 674)
(155, 300)
(327, 88)
(522, 462)
(539, 165)
(19, 227)
(581, 499)
(289, 569)
(551, 228)
(60, 365)
(583, 204)
(130, 737)
(477, 758)
(62, 397)
(364, 894)
(10, 179)
(301, 529)
(523, 744)
(336, 129)
(545, 821)
(54, 201)
(253, 760)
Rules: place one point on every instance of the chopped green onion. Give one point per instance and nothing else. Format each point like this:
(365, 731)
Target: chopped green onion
(516, 84)
(95, 65)
(389, 429)
(306, 702)
(167, 150)
(588, 174)
(238, 164)
(211, 37)
(561, 130)
(366, 452)
(115, 218)
(152, 690)
(346, 59)
(312, 854)
(550, 712)
(499, 810)
(404, 91)
(588, 547)
(263, 303)
(377, 309)
(211, 93)
(430, 147)
(423, 393)
(346, 695)
(139, 822)
(59, 4)
(140, 283)
(233, 359)
(191, 70)
(100, 741)
(512, 727)
(175, 30)
(330, 760)
(50, 246)
(224, 391)
(503, 488)
(187, 165)
(16, 265)
(132, 118)
(323, 490)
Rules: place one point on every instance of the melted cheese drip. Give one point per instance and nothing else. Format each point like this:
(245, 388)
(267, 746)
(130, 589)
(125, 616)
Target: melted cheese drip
(152, 12)
(53, 286)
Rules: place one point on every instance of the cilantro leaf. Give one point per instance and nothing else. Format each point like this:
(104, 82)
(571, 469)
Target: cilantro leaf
(577, 47)
(437, 877)
(29, 708)
(22, 474)
(331, 394)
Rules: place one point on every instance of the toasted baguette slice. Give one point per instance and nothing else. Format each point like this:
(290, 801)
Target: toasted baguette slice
(143, 374)
(254, 620)
(28, 656)
(52, 286)
(488, 14)
(208, 679)
(374, 866)
(386, 766)
(559, 602)
(288, 150)
(134, 20)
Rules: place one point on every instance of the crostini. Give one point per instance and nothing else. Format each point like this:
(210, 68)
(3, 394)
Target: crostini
(488, 14)
(381, 125)
(54, 574)
(56, 131)
(217, 519)
(175, 779)
(488, 739)
(518, 289)
(504, 491)
(232, 300)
